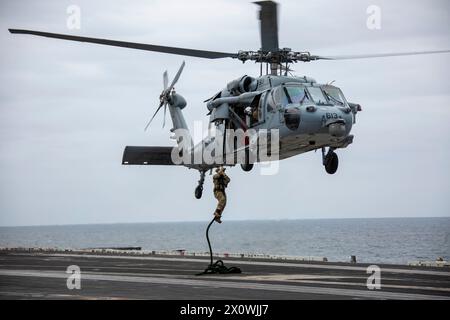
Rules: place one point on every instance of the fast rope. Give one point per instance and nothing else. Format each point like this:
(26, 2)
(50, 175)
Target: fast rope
(218, 266)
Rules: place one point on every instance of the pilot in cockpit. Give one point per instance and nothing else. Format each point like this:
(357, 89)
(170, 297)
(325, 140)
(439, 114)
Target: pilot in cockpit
(294, 95)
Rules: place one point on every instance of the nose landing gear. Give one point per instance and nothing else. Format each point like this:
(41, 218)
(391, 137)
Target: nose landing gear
(199, 188)
(330, 160)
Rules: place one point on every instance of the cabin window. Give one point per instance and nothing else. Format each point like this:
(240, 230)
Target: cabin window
(256, 111)
(273, 98)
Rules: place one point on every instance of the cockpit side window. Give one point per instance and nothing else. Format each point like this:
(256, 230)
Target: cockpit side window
(294, 95)
(334, 95)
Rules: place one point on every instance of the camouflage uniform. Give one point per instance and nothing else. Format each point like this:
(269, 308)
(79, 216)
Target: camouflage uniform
(221, 181)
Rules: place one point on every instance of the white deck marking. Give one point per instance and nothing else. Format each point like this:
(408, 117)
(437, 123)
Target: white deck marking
(318, 279)
(263, 263)
(33, 295)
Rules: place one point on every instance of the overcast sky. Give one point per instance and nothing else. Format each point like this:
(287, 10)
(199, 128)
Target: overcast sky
(68, 109)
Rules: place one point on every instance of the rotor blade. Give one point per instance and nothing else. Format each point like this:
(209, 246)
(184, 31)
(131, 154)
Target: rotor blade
(132, 45)
(165, 109)
(165, 80)
(268, 25)
(150, 121)
(177, 76)
(380, 55)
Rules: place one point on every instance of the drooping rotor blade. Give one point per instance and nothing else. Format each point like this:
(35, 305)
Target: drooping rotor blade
(268, 17)
(379, 55)
(165, 80)
(177, 76)
(151, 119)
(132, 45)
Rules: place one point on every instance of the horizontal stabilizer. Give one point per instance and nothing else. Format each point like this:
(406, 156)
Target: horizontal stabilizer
(147, 156)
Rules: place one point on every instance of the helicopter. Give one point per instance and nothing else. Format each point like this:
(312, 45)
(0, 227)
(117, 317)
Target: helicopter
(290, 114)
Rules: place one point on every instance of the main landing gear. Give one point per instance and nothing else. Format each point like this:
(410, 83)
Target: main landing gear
(330, 160)
(199, 188)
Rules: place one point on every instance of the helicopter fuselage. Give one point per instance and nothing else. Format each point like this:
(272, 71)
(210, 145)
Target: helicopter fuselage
(307, 115)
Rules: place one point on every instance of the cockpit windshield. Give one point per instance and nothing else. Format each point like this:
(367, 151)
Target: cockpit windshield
(317, 95)
(291, 94)
(294, 95)
(334, 95)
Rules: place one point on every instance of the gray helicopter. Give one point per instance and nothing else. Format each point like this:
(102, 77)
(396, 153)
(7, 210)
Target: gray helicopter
(306, 115)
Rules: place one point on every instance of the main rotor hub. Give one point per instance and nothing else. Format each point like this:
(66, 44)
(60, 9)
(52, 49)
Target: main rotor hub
(285, 55)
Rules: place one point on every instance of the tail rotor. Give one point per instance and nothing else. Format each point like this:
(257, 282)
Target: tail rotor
(165, 96)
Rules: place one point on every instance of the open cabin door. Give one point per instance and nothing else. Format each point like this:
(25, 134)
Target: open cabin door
(255, 112)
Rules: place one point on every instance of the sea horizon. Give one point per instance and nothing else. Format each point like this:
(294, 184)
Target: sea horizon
(223, 219)
(378, 240)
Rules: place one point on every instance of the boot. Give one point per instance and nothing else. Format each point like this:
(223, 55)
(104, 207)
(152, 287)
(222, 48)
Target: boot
(217, 217)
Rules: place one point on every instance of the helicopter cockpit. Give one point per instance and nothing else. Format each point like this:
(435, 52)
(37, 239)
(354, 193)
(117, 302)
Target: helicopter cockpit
(295, 94)
(290, 97)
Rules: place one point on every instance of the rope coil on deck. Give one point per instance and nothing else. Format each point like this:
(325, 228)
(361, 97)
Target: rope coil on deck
(218, 266)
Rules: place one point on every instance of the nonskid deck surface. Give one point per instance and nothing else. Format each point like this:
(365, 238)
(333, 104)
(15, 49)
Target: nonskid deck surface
(43, 276)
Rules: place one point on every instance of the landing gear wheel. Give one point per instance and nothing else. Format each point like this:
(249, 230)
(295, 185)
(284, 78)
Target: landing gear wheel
(198, 192)
(199, 189)
(331, 162)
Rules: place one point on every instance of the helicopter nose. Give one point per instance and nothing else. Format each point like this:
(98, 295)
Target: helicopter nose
(332, 121)
(337, 129)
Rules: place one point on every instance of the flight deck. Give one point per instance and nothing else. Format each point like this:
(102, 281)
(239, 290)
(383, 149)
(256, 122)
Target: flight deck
(42, 275)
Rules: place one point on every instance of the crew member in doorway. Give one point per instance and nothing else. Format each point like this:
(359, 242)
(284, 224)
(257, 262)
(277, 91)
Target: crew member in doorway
(220, 180)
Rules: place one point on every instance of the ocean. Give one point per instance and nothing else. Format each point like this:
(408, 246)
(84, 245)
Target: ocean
(381, 240)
